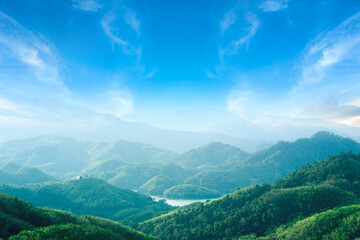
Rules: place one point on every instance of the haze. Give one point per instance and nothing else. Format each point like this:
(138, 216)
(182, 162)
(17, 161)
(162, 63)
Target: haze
(235, 70)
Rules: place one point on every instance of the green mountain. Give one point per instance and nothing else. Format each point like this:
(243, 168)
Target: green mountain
(94, 197)
(133, 176)
(65, 158)
(9, 167)
(210, 155)
(25, 176)
(260, 211)
(188, 191)
(21, 220)
(275, 162)
(131, 152)
(338, 223)
(157, 185)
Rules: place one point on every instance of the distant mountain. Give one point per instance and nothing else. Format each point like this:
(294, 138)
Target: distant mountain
(58, 156)
(25, 176)
(66, 158)
(107, 128)
(211, 155)
(275, 162)
(281, 209)
(284, 129)
(94, 197)
(21, 220)
(131, 152)
(135, 175)
(10, 167)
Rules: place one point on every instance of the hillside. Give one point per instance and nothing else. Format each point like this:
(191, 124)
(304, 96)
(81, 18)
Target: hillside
(210, 155)
(94, 197)
(21, 220)
(65, 158)
(24, 176)
(131, 152)
(259, 210)
(275, 162)
(338, 223)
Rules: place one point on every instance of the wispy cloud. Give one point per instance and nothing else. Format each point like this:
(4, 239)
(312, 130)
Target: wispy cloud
(209, 74)
(127, 48)
(150, 74)
(8, 105)
(330, 49)
(29, 49)
(228, 20)
(131, 19)
(251, 30)
(87, 5)
(273, 5)
(116, 103)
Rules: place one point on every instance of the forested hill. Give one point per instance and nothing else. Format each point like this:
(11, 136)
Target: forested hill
(212, 154)
(21, 220)
(274, 163)
(94, 197)
(266, 209)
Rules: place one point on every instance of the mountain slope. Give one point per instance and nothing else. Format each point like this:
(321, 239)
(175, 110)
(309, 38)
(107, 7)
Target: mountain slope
(94, 197)
(339, 223)
(25, 176)
(21, 220)
(275, 162)
(212, 154)
(258, 210)
(131, 152)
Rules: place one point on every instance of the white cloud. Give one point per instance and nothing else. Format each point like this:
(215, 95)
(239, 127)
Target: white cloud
(131, 19)
(228, 20)
(116, 103)
(28, 48)
(273, 5)
(109, 31)
(242, 103)
(233, 48)
(8, 105)
(87, 5)
(330, 49)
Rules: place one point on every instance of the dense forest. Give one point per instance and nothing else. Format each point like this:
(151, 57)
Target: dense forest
(271, 210)
(21, 220)
(94, 197)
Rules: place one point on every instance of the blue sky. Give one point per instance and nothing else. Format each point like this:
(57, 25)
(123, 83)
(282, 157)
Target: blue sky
(185, 65)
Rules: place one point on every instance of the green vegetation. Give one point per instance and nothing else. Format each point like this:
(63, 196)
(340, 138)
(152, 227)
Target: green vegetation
(94, 197)
(210, 155)
(274, 163)
(157, 185)
(338, 223)
(131, 152)
(21, 220)
(25, 176)
(188, 191)
(265, 210)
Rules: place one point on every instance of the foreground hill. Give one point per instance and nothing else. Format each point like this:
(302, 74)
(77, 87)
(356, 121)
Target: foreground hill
(21, 220)
(94, 197)
(259, 210)
(275, 162)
